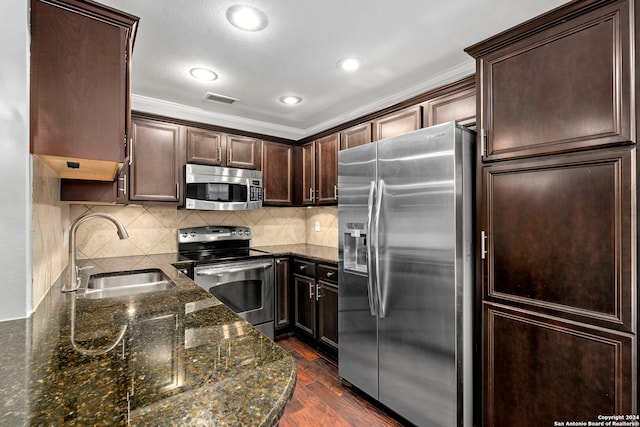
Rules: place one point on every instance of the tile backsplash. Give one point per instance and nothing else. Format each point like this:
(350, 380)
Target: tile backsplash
(152, 230)
(49, 219)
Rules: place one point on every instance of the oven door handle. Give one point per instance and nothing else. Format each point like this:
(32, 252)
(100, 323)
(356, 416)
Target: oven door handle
(218, 271)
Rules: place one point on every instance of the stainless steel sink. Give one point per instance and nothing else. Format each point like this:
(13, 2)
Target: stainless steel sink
(106, 285)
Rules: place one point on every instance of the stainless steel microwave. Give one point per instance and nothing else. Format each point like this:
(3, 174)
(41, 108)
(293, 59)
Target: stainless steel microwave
(217, 188)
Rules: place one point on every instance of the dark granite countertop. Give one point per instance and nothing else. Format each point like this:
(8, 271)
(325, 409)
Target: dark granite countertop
(173, 357)
(314, 252)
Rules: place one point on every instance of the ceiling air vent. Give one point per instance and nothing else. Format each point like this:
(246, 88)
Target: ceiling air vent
(215, 97)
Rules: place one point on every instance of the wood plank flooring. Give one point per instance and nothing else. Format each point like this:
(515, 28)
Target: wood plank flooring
(320, 399)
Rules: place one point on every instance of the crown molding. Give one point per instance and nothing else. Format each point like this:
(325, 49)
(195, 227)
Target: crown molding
(185, 112)
(161, 107)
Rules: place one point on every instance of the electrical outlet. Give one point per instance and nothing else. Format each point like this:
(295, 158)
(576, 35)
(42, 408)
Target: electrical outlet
(317, 227)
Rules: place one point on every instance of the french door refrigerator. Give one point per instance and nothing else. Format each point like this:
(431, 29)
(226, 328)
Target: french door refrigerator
(405, 273)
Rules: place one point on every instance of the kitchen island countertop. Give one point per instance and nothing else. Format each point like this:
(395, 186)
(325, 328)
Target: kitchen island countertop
(172, 357)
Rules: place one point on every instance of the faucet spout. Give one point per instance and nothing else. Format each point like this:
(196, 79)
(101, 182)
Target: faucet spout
(71, 284)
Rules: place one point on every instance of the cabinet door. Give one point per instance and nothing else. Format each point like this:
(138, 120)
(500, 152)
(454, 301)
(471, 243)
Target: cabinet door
(327, 296)
(79, 80)
(459, 106)
(563, 89)
(309, 173)
(88, 191)
(538, 370)
(277, 164)
(156, 161)
(327, 169)
(205, 147)
(356, 135)
(305, 304)
(398, 123)
(561, 236)
(242, 152)
(283, 293)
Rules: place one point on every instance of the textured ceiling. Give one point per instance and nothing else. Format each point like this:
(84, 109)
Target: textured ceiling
(406, 46)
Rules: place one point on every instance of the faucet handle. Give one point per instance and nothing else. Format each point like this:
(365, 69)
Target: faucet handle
(84, 268)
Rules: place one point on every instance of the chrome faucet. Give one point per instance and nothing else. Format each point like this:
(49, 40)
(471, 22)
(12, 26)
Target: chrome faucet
(71, 283)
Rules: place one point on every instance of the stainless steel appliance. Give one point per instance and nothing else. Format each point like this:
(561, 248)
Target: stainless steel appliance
(405, 273)
(218, 188)
(222, 263)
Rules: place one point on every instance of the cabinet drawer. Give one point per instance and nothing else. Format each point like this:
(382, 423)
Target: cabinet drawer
(304, 268)
(328, 273)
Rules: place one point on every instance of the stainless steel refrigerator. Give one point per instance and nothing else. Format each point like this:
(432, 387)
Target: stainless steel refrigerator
(405, 273)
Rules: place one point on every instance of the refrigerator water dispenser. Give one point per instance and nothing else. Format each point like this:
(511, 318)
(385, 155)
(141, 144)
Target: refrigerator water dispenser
(355, 248)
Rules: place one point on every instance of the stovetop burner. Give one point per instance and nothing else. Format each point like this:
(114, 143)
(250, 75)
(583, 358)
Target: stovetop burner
(207, 256)
(215, 243)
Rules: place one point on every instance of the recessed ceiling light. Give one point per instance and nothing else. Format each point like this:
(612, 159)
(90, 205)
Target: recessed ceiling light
(247, 18)
(290, 100)
(349, 64)
(203, 74)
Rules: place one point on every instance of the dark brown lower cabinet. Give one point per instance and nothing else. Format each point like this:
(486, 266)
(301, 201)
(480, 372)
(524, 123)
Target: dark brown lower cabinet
(316, 303)
(328, 314)
(305, 304)
(540, 370)
(283, 294)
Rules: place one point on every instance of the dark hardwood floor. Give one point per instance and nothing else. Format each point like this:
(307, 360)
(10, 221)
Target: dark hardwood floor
(320, 398)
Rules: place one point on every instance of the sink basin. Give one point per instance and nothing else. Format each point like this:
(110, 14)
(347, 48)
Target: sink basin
(106, 285)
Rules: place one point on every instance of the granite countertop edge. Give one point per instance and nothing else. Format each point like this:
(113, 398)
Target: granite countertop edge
(319, 253)
(49, 349)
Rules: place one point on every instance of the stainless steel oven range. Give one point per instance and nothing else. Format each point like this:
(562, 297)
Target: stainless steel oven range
(223, 264)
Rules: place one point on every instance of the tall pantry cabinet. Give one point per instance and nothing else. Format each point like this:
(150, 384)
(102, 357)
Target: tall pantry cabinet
(557, 217)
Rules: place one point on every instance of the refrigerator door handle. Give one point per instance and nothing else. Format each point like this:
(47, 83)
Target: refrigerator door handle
(370, 244)
(378, 284)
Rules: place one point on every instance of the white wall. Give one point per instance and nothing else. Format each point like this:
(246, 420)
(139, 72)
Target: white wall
(15, 188)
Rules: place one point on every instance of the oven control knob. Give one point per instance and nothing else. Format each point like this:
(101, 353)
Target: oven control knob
(233, 233)
(247, 233)
(184, 234)
(193, 234)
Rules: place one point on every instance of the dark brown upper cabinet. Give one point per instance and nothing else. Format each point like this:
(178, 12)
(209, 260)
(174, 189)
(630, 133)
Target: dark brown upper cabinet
(398, 123)
(277, 170)
(355, 135)
(206, 147)
(566, 86)
(157, 156)
(80, 112)
(327, 169)
(320, 171)
(243, 152)
(459, 106)
(309, 173)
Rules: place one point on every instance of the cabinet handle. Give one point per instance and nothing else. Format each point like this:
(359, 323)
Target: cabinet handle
(335, 192)
(310, 193)
(220, 153)
(330, 273)
(302, 267)
(124, 185)
(311, 290)
(483, 244)
(318, 296)
(177, 191)
(483, 137)
(130, 151)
